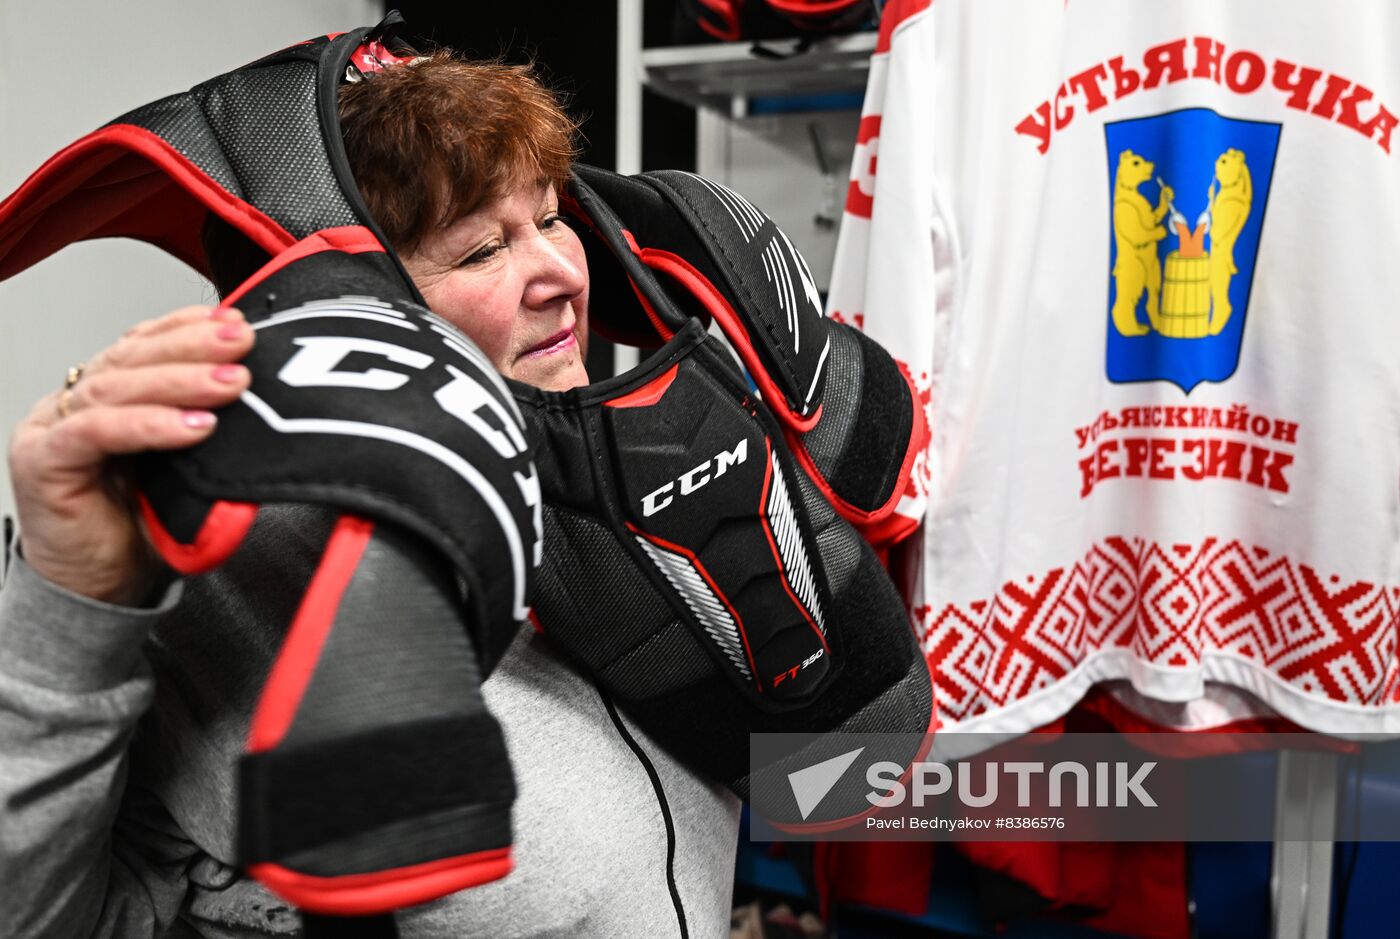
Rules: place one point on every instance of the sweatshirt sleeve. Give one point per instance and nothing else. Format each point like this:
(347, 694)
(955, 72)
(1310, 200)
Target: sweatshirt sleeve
(79, 856)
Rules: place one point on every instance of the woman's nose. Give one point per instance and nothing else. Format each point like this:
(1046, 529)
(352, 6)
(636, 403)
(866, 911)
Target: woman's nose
(558, 270)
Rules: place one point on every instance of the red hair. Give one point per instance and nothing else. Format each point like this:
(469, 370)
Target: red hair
(432, 141)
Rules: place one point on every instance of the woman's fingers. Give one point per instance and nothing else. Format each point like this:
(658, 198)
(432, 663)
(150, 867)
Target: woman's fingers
(183, 336)
(154, 389)
(183, 385)
(188, 314)
(83, 439)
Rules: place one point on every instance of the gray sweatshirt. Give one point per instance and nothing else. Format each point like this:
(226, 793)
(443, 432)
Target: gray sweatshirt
(119, 732)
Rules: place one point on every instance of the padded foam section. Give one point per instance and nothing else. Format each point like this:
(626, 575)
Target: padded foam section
(390, 758)
(861, 441)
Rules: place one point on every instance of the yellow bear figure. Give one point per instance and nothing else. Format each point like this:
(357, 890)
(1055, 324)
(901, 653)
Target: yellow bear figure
(1136, 229)
(1229, 208)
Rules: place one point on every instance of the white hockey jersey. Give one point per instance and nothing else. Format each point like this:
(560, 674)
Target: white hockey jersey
(1144, 258)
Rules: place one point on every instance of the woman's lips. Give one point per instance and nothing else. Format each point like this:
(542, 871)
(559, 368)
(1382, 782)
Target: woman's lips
(559, 342)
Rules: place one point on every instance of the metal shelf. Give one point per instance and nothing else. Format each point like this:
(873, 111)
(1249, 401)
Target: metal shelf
(723, 76)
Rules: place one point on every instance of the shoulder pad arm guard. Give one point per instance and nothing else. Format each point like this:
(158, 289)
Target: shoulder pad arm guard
(355, 797)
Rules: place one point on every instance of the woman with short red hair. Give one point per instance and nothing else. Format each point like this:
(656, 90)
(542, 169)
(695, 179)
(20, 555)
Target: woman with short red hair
(120, 824)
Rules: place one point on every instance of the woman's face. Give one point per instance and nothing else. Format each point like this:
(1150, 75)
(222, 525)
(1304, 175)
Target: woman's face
(512, 276)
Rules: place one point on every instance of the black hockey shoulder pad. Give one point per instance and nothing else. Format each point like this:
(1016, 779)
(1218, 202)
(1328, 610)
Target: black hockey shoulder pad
(362, 402)
(847, 408)
(735, 265)
(377, 407)
(694, 567)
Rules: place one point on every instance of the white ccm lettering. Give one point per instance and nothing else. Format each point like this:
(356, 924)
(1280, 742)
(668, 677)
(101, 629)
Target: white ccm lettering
(464, 398)
(695, 479)
(314, 365)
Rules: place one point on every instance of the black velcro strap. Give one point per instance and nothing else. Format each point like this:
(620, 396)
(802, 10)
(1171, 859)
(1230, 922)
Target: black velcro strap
(297, 799)
(869, 469)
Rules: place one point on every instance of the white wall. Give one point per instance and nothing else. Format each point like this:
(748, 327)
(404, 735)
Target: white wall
(772, 160)
(66, 68)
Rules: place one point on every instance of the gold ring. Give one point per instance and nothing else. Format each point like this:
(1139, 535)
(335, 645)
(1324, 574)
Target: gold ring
(75, 372)
(65, 403)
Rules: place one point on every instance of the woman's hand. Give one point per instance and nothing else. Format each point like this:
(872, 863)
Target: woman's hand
(152, 390)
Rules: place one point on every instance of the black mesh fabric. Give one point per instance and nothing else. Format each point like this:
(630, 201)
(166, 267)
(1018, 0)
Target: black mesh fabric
(257, 134)
(845, 373)
(399, 650)
(603, 605)
(869, 468)
(671, 657)
(706, 726)
(888, 713)
(266, 120)
(838, 545)
(391, 738)
(243, 608)
(179, 121)
(819, 511)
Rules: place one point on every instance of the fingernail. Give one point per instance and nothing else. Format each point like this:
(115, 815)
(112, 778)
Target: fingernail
(198, 419)
(225, 313)
(232, 331)
(228, 372)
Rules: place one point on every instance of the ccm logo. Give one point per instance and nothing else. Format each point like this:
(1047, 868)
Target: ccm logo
(792, 672)
(694, 479)
(316, 365)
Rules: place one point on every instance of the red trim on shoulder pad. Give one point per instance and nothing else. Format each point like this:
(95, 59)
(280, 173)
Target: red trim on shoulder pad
(41, 212)
(219, 536)
(650, 393)
(882, 525)
(266, 233)
(889, 531)
(374, 56)
(662, 330)
(387, 890)
(350, 239)
(535, 621)
(291, 672)
(708, 294)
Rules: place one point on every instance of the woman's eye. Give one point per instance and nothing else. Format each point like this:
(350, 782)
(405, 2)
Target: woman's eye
(551, 220)
(481, 255)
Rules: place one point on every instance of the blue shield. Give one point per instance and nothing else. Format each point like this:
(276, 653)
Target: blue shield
(1187, 196)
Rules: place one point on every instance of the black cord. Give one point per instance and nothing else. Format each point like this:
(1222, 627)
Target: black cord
(7, 537)
(661, 800)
